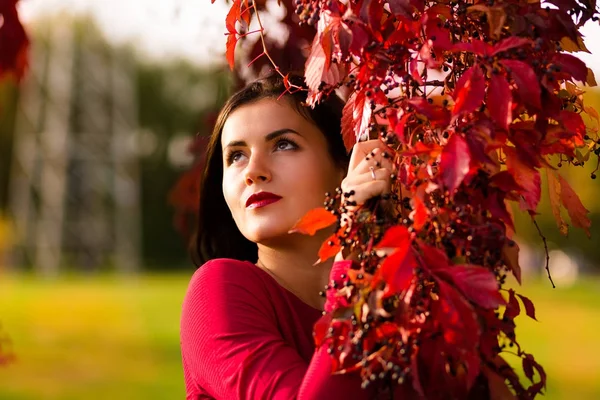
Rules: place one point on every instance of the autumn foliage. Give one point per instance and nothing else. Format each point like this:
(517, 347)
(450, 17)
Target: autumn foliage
(475, 100)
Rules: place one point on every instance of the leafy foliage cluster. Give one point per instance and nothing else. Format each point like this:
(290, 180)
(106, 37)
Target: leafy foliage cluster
(474, 100)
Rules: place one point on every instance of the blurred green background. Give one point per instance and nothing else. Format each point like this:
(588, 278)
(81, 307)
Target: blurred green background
(95, 328)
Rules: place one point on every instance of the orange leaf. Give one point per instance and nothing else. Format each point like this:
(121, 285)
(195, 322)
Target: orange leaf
(313, 221)
(419, 214)
(329, 248)
(554, 192)
(231, 42)
(577, 212)
(233, 16)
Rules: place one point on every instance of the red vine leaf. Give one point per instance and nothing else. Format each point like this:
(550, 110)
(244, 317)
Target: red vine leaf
(356, 117)
(571, 65)
(397, 269)
(510, 43)
(470, 91)
(394, 237)
(527, 177)
(574, 124)
(402, 8)
(555, 205)
(313, 221)
(499, 101)
(478, 284)
(14, 43)
(454, 165)
(318, 69)
(457, 317)
(512, 307)
(529, 308)
(497, 386)
(526, 80)
(577, 212)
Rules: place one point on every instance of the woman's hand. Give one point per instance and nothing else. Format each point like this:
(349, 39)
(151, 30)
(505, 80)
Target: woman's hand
(369, 173)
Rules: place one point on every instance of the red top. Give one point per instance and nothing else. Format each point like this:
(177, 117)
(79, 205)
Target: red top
(243, 336)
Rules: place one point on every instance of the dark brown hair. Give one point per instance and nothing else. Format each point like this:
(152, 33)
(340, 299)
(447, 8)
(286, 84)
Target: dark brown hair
(217, 235)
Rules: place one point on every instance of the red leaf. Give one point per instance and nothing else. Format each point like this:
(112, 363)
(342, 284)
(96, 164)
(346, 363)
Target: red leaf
(499, 101)
(571, 65)
(577, 212)
(454, 165)
(230, 53)
(512, 308)
(510, 256)
(505, 181)
(574, 124)
(313, 221)
(14, 43)
(526, 80)
(529, 308)
(470, 91)
(477, 284)
(495, 203)
(510, 43)
(397, 269)
(396, 236)
(401, 8)
(527, 177)
(457, 317)
(434, 258)
(356, 117)
(317, 70)
(497, 385)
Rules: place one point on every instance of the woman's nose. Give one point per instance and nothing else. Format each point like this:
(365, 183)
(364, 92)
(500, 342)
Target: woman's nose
(257, 170)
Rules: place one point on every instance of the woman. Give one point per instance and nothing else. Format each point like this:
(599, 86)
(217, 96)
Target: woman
(248, 315)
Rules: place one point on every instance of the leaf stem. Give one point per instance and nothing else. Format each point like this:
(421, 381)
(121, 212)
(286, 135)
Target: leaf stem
(546, 249)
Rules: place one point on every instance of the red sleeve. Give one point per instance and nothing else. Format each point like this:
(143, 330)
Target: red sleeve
(231, 346)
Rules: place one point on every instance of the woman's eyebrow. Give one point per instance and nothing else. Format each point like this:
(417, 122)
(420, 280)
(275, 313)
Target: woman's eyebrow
(268, 137)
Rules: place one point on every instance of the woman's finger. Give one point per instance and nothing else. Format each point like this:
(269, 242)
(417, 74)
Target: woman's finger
(362, 150)
(358, 179)
(373, 159)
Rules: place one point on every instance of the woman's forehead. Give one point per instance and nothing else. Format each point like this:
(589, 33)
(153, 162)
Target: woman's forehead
(258, 119)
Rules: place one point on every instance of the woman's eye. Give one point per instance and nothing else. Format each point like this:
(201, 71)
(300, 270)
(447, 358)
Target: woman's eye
(234, 157)
(285, 145)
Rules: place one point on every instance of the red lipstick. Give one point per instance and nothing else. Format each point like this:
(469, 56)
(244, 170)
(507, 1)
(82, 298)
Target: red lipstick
(261, 199)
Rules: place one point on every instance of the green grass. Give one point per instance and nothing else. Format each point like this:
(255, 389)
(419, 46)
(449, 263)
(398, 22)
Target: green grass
(103, 338)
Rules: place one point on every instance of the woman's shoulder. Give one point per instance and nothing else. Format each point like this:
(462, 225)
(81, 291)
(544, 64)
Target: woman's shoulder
(228, 280)
(227, 269)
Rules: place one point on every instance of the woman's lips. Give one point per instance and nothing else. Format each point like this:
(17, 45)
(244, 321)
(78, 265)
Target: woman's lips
(263, 203)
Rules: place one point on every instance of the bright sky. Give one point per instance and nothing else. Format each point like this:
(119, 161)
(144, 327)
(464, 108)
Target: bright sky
(193, 29)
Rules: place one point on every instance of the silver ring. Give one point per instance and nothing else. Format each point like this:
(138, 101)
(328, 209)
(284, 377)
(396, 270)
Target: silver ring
(373, 173)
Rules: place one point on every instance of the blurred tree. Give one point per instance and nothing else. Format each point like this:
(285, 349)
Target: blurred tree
(174, 98)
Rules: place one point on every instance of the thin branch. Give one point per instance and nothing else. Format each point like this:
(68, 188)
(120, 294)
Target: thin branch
(546, 248)
(264, 45)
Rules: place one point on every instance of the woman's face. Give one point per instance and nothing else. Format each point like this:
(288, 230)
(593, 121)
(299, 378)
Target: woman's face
(269, 147)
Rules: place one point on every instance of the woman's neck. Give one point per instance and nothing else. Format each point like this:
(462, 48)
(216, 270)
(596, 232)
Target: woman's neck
(292, 266)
